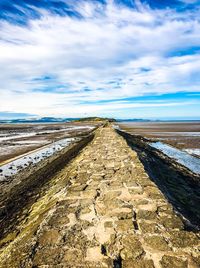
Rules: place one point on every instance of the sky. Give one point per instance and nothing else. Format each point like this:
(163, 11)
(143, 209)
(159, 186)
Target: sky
(115, 58)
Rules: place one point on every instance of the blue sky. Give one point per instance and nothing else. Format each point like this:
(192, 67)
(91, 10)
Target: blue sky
(122, 58)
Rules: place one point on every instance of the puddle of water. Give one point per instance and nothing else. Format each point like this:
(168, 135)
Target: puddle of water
(116, 127)
(8, 137)
(193, 151)
(181, 157)
(15, 166)
(27, 142)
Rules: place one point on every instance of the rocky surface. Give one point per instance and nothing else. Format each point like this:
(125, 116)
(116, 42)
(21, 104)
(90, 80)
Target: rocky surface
(20, 191)
(102, 210)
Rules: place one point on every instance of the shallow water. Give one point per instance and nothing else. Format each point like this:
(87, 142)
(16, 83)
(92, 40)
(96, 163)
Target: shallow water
(15, 166)
(12, 136)
(30, 142)
(181, 157)
(8, 136)
(193, 151)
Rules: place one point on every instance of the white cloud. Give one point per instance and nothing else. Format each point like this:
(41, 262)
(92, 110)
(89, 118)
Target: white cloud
(83, 56)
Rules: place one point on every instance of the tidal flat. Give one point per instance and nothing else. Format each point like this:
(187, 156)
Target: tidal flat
(183, 135)
(21, 139)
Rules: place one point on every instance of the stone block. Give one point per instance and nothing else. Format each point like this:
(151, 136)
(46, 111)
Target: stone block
(132, 248)
(157, 243)
(138, 264)
(49, 237)
(181, 239)
(173, 262)
(47, 256)
(147, 227)
(172, 222)
(124, 225)
(146, 214)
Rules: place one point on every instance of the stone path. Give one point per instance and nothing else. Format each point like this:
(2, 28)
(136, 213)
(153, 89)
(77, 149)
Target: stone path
(102, 210)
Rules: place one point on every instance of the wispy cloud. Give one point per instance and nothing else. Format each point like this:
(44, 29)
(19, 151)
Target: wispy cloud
(104, 51)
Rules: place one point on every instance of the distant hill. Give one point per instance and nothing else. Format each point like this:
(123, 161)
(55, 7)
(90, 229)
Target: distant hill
(96, 119)
(53, 120)
(34, 120)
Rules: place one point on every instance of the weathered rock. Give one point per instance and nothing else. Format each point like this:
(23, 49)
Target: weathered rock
(148, 227)
(49, 237)
(58, 220)
(47, 256)
(172, 222)
(73, 256)
(138, 264)
(124, 225)
(173, 262)
(132, 247)
(182, 239)
(157, 242)
(196, 261)
(146, 215)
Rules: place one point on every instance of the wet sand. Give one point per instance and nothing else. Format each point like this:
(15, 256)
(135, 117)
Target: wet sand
(19, 139)
(182, 135)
